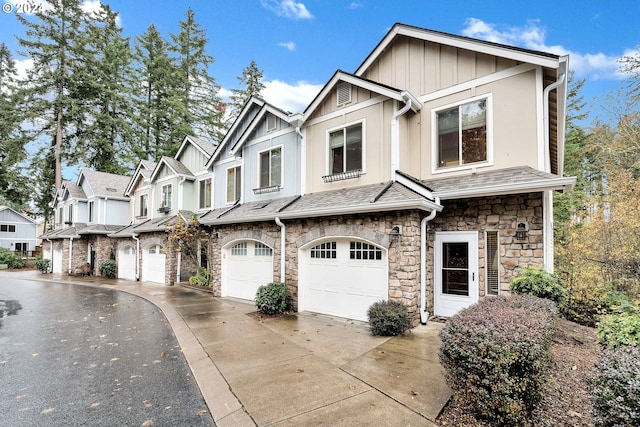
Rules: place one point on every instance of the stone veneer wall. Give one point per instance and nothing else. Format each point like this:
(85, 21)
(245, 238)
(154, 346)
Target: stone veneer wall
(403, 253)
(502, 214)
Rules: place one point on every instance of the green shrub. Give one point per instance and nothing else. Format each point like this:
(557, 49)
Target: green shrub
(272, 298)
(617, 330)
(108, 268)
(203, 278)
(615, 388)
(388, 318)
(539, 283)
(43, 265)
(495, 355)
(11, 259)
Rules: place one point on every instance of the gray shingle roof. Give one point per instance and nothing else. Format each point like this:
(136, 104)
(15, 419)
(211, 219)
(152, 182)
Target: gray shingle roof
(505, 181)
(74, 190)
(247, 212)
(177, 166)
(106, 184)
(206, 146)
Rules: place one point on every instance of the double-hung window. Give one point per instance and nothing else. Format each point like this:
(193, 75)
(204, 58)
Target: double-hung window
(205, 193)
(462, 134)
(234, 180)
(166, 196)
(346, 149)
(144, 199)
(271, 168)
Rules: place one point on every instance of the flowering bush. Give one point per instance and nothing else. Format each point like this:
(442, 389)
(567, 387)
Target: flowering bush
(495, 355)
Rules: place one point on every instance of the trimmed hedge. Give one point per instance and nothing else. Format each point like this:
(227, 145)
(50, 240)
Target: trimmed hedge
(495, 355)
(539, 283)
(616, 388)
(388, 318)
(272, 298)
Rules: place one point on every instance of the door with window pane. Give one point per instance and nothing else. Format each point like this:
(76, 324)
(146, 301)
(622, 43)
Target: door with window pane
(456, 272)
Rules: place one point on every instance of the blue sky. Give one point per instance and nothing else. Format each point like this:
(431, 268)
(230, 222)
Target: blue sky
(300, 43)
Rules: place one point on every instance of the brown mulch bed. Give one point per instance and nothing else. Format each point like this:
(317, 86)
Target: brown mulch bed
(566, 400)
(260, 316)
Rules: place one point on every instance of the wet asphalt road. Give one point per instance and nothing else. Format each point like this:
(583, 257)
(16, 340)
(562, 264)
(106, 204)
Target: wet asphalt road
(74, 355)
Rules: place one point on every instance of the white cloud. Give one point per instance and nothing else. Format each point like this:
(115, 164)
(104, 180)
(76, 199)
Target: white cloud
(290, 97)
(354, 5)
(595, 66)
(287, 8)
(92, 7)
(22, 65)
(290, 46)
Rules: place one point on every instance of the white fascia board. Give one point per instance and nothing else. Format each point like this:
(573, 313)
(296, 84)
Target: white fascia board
(423, 191)
(346, 110)
(233, 128)
(564, 184)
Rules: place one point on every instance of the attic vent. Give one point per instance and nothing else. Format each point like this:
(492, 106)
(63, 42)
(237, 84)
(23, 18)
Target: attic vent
(271, 122)
(344, 93)
(112, 190)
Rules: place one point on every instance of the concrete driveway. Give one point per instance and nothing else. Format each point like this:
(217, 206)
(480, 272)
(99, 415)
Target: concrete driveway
(300, 369)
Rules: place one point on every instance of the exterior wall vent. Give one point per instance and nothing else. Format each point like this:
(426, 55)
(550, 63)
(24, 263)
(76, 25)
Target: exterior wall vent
(344, 93)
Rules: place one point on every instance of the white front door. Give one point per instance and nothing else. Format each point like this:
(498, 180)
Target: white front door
(456, 271)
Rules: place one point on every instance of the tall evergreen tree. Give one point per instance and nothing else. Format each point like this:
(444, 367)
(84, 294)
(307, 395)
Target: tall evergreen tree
(251, 80)
(107, 128)
(13, 187)
(197, 90)
(55, 42)
(158, 106)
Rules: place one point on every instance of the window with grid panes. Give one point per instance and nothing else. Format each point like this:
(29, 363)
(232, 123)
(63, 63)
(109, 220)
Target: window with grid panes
(362, 250)
(239, 249)
(260, 249)
(326, 250)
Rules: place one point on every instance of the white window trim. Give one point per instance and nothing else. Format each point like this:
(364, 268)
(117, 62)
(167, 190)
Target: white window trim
(328, 132)
(204, 178)
(226, 182)
(282, 163)
(170, 206)
(434, 136)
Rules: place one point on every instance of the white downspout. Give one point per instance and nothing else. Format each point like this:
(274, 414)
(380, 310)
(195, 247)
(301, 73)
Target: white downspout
(70, 253)
(49, 240)
(423, 263)
(302, 163)
(548, 194)
(283, 249)
(137, 270)
(547, 91)
(395, 138)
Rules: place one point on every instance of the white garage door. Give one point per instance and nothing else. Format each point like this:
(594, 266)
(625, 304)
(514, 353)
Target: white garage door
(247, 266)
(56, 263)
(342, 278)
(127, 263)
(153, 264)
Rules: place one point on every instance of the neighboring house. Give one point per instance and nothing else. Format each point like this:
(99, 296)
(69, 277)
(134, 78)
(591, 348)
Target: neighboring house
(85, 213)
(175, 186)
(256, 168)
(18, 232)
(426, 177)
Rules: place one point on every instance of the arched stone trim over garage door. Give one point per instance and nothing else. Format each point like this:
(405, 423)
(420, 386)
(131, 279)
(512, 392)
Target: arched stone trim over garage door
(343, 275)
(345, 230)
(247, 264)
